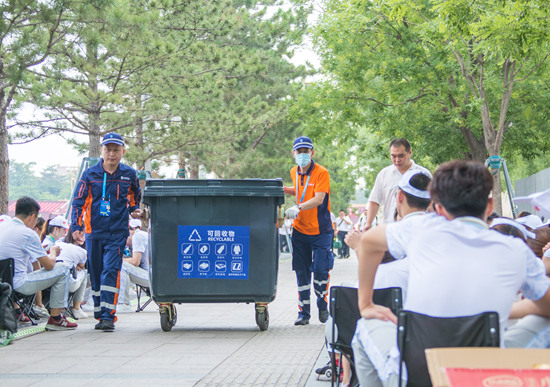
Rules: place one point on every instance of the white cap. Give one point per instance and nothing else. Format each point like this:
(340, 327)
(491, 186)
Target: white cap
(531, 221)
(526, 233)
(539, 200)
(405, 184)
(135, 223)
(59, 221)
(4, 217)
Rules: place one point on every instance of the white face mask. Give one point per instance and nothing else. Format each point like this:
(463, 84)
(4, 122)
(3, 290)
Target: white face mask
(302, 159)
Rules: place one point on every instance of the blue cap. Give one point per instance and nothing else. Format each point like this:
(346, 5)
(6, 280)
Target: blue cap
(302, 142)
(112, 138)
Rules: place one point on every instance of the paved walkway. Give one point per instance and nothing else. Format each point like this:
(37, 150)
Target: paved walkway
(211, 345)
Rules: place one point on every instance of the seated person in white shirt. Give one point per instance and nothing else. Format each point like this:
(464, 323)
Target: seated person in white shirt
(137, 266)
(412, 199)
(457, 267)
(20, 242)
(74, 254)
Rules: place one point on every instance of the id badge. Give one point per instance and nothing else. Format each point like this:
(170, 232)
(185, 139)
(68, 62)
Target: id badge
(105, 208)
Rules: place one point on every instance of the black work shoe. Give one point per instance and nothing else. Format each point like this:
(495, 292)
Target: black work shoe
(105, 326)
(323, 316)
(301, 321)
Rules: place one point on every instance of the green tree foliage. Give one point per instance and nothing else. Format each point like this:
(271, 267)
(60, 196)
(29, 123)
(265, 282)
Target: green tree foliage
(29, 31)
(207, 81)
(49, 185)
(455, 77)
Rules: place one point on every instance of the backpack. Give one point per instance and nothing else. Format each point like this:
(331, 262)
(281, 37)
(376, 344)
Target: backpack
(8, 321)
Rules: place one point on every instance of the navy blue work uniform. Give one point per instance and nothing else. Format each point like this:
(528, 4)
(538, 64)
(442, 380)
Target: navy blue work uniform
(102, 204)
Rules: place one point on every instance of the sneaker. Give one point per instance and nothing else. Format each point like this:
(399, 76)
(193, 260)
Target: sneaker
(21, 317)
(323, 316)
(79, 314)
(60, 325)
(41, 311)
(124, 308)
(105, 326)
(322, 370)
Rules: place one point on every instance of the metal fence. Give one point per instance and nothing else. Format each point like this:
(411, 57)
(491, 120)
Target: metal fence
(535, 183)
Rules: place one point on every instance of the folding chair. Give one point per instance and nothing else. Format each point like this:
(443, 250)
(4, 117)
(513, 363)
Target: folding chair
(417, 332)
(147, 291)
(344, 310)
(25, 302)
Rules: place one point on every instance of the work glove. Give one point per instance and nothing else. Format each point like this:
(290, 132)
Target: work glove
(292, 212)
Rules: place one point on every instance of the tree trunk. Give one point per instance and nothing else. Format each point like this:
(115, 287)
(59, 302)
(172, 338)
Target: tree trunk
(4, 165)
(94, 135)
(142, 157)
(193, 169)
(497, 193)
(476, 147)
(181, 166)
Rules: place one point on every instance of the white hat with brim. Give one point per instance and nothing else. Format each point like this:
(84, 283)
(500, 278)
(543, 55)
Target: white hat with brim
(59, 221)
(539, 200)
(134, 223)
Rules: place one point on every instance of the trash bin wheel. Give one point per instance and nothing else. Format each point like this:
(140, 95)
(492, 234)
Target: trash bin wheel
(168, 316)
(262, 316)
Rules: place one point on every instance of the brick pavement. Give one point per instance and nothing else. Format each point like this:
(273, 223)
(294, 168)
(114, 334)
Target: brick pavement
(211, 344)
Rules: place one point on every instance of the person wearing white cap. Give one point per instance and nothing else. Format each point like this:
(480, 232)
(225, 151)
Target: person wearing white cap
(137, 266)
(54, 230)
(531, 221)
(384, 189)
(412, 199)
(458, 267)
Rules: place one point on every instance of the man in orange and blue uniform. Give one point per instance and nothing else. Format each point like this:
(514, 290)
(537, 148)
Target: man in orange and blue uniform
(105, 196)
(312, 234)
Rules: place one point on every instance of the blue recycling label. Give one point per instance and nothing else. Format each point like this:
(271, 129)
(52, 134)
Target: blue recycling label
(219, 252)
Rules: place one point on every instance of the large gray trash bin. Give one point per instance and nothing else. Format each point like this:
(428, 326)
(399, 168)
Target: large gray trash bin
(213, 241)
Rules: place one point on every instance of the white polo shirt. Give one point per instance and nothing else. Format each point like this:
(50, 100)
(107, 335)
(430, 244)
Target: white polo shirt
(341, 224)
(71, 254)
(21, 243)
(385, 188)
(139, 245)
(461, 268)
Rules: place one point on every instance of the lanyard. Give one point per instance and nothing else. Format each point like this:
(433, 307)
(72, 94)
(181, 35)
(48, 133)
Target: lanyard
(104, 184)
(298, 186)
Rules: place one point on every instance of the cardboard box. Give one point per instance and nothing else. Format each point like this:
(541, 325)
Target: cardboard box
(487, 358)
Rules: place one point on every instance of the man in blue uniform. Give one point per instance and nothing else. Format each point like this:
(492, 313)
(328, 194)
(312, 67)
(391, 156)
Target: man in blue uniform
(105, 195)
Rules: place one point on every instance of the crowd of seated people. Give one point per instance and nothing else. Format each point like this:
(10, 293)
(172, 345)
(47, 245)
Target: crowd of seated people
(50, 264)
(459, 265)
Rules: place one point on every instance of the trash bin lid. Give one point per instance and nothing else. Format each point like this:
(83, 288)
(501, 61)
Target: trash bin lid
(213, 187)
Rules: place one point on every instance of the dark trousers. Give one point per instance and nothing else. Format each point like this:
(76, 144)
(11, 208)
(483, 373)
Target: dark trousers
(344, 250)
(104, 263)
(312, 254)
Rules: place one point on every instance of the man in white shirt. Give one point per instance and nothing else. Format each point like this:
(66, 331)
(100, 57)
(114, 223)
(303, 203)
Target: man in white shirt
(385, 186)
(457, 267)
(20, 242)
(343, 225)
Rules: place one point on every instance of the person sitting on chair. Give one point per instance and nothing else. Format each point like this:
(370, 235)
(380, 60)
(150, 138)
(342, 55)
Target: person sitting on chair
(74, 255)
(457, 267)
(412, 199)
(21, 243)
(137, 266)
